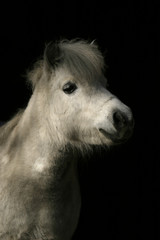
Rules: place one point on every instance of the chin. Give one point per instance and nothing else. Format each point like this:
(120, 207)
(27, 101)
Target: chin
(116, 138)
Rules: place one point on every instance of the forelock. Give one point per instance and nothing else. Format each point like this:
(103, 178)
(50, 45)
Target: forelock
(82, 58)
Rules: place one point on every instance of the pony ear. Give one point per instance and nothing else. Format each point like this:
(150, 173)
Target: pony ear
(52, 55)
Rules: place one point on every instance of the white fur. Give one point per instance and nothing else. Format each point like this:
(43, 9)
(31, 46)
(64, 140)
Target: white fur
(39, 147)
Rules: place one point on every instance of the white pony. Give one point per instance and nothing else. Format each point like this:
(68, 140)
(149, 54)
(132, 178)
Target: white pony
(70, 110)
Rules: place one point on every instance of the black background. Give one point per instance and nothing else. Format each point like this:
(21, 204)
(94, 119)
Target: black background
(120, 189)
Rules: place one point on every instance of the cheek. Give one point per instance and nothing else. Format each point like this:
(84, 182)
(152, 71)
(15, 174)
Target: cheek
(59, 104)
(66, 108)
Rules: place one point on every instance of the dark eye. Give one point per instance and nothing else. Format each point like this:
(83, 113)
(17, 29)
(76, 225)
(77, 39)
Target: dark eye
(69, 88)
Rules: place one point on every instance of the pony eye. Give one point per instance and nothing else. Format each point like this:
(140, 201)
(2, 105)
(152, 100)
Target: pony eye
(69, 88)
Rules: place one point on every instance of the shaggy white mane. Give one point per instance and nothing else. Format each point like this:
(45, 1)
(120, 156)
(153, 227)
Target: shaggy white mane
(79, 57)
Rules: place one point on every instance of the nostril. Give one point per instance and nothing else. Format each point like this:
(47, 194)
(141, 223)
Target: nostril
(119, 119)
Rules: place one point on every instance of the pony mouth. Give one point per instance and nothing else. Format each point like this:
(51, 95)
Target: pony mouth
(116, 138)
